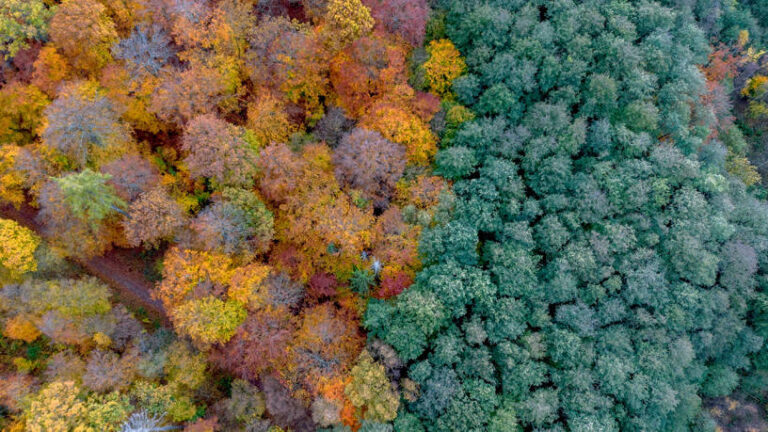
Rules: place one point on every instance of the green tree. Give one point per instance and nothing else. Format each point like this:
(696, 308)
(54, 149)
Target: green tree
(22, 21)
(89, 196)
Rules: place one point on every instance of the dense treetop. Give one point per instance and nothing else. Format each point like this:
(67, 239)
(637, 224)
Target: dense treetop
(601, 268)
(383, 215)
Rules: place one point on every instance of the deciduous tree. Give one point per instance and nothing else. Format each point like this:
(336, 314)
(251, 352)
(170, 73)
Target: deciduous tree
(347, 20)
(89, 197)
(84, 125)
(145, 51)
(83, 32)
(132, 175)
(107, 371)
(219, 150)
(406, 18)
(445, 64)
(364, 160)
(79, 236)
(12, 180)
(50, 69)
(269, 120)
(259, 345)
(208, 320)
(19, 246)
(153, 218)
(22, 21)
(21, 113)
(55, 407)
(21, 328)
(325, 344)
(398, 125)
(184, 94)
(371, 391)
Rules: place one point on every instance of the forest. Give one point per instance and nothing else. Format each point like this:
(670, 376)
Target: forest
(383, 215)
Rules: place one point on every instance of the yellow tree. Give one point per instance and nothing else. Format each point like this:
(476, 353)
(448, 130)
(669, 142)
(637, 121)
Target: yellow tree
(315, 217)
(371, 391)
(21, 328)
(268, 120)
(248, 285)
(196, 293)
(21, 113)
(187, 273)
(56, 408)
(62, 406)
(444, 65)
(398, 125)
(208, 320)
(50, 69)
(346, 20)
(20, 22)
(17, 256)
(133, 94)
(11, 179)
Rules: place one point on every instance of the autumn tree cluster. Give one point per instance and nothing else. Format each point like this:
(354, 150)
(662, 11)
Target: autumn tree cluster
(384, 215)
(72, 360)
(273, 153)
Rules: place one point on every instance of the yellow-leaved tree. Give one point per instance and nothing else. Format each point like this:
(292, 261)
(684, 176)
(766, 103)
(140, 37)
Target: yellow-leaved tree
(371, 391)
(346, 20)
(17, 256)
(445, 64)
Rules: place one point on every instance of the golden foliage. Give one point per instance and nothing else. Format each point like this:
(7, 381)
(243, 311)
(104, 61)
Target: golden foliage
(21, 113)
(371, 391)
(186, 270)
(741, 168)
(17, 255)
(403, 127)
(445, 64)
(11, 179)
(50, 70)
(247, 285)
(208, 320)
(347, 20)
(56, 408)
(133, 96)
(21, 328)
(268, 119)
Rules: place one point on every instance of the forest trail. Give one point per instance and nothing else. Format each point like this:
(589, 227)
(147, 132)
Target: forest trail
(118, 268)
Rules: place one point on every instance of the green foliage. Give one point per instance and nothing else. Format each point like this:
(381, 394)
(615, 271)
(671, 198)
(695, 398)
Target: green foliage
(598, 267)
(22, 21)
(89, 196)
(593, 258)
(163, 400)
(455, 162)
(255, 215)
(362, 280)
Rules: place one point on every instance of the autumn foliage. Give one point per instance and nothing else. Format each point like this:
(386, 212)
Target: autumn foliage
(264, 161)
(19, 245)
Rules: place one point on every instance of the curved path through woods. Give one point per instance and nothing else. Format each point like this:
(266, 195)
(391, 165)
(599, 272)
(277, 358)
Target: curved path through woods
(118, 268)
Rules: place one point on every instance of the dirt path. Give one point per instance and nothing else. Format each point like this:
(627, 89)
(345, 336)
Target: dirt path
(118, 268)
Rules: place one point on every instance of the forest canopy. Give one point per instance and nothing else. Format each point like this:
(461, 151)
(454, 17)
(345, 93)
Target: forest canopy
(383, 215)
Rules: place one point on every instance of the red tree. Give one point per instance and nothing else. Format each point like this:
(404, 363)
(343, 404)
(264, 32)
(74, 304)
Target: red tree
(407, 18)
(260, 344)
